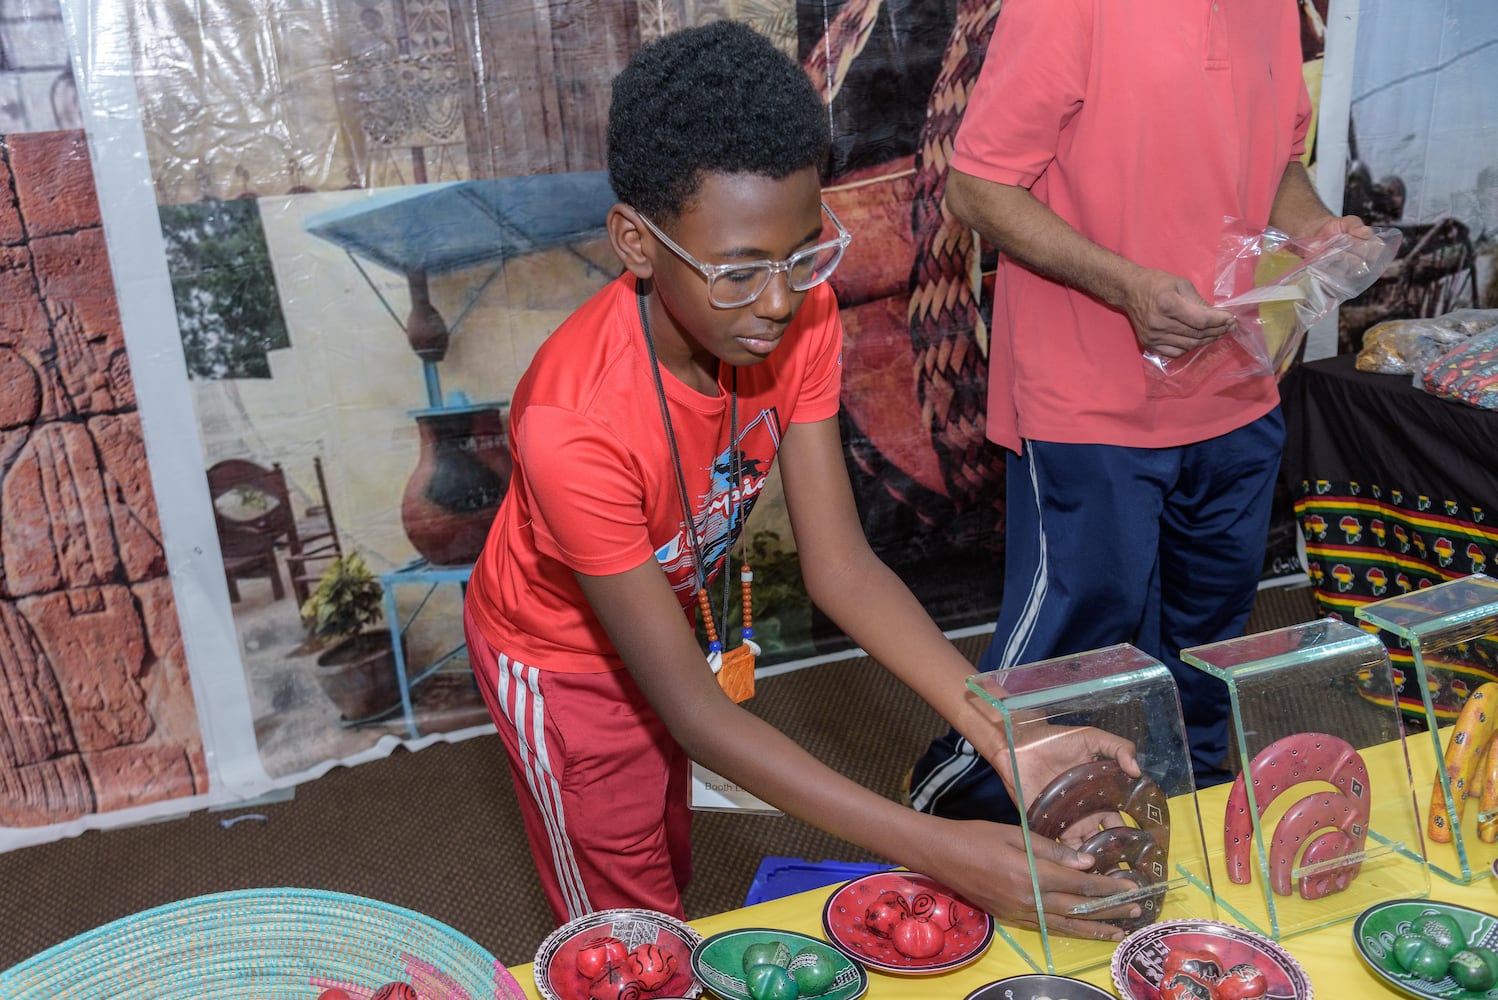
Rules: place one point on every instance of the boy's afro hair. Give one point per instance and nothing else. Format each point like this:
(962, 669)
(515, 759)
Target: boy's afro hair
(713, 99)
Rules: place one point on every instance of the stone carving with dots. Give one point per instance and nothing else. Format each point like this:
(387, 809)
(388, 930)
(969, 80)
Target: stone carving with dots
(1098, 789)
(1327, 824)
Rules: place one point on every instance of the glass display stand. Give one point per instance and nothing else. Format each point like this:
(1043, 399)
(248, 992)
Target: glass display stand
(1461, 842)
(1143, 830)
(1320, 822)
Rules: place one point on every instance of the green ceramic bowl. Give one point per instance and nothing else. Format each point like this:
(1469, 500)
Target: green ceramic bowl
(1374, 932)
(718, 963)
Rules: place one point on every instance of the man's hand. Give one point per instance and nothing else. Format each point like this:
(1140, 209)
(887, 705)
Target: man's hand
(1349, 224)
(985, 863)
(1169, 316)
(1366, 246)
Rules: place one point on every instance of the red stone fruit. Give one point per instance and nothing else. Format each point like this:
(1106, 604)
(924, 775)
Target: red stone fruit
(943, 911)
(884, 916)
(1242, 982)
(596, 954)
(915, 938)
(395, 991)
(333, 993)
(1179, 986)
(651, 966)
(614, 984)
(1200, 965)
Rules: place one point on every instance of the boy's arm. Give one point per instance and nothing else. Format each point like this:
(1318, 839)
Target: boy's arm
(984, 862)
(863, 596)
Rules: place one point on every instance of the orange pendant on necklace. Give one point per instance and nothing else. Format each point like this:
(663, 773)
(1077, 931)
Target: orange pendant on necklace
(735, 667)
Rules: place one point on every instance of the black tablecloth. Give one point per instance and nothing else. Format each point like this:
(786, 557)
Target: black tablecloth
(1394, 489)
(1347, 425)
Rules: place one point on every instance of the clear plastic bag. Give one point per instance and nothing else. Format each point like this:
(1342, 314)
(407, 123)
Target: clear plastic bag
(1276, 287)
(1468, 373)
(1469, 321)
(1407, 346)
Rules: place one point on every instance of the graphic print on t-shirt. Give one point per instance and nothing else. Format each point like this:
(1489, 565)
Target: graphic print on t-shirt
(720, 513)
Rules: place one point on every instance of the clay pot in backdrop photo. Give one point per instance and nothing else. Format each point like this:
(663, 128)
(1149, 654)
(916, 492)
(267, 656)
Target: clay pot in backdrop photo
(358, 676)
(460, 478)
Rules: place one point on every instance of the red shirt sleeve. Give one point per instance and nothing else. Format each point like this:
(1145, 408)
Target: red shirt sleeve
(1032, 81)
(821, 388)
(1302, 98)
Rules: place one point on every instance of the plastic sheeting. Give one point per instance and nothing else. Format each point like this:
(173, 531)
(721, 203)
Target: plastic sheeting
(221, 288)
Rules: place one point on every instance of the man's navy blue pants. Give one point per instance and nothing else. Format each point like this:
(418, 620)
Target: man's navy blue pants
(1159, 547)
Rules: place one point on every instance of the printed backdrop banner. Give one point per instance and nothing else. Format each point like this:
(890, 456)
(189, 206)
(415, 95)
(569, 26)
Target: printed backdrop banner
(1422, 155)
(269, 341)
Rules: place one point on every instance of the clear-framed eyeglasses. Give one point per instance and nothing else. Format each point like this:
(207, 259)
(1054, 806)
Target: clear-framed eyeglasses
(730, 286)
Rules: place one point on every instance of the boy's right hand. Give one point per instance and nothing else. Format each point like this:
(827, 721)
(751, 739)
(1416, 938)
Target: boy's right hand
(985, 863)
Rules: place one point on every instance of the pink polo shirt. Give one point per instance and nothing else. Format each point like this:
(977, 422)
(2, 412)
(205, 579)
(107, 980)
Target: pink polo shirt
(1143, 124)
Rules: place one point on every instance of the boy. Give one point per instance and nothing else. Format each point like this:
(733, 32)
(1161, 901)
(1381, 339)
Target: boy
(641, 434)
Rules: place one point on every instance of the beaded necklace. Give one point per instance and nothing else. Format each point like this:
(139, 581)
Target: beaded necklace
(735, 667)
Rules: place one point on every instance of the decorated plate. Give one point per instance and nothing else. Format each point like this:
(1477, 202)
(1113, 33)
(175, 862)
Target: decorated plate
(1038, 986)
(651, 949)
(1375, 929)
(718, 963)
(905, 923)
(1139, 962)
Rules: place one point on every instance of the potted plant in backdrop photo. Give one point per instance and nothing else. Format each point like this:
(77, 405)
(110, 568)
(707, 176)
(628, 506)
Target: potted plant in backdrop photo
(357, 668)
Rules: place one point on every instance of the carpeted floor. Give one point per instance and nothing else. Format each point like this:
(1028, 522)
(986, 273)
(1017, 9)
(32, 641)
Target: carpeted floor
(437, 831)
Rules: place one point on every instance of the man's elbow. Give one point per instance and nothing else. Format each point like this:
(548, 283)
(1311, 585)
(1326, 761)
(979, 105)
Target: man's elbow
(959, 199)
(986, 206)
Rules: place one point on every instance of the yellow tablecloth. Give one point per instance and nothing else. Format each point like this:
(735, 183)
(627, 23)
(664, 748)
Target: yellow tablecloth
(1327, 954)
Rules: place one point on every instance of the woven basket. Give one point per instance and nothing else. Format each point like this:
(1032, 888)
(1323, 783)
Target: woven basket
(260, 944)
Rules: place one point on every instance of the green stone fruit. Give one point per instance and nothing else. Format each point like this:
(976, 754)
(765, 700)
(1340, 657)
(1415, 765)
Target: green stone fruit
(1490, 956)
(1405, 946)
(1442, 930)
(1471, 971)
(771, 982)
(813, 969)
(766, 953)
(1420, 956)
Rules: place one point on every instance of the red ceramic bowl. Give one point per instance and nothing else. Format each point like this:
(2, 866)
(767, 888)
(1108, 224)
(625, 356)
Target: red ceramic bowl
(852, 914)
(561, 976)
(1139, 961)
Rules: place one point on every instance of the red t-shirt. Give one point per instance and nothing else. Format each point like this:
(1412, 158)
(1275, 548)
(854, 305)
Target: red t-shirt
(1144, 124)
(594, 487)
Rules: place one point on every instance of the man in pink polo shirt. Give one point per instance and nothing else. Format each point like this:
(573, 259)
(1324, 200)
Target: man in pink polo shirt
(1103, 146)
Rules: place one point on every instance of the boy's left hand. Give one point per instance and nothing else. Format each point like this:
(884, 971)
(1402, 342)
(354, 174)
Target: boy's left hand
(1047, 750)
